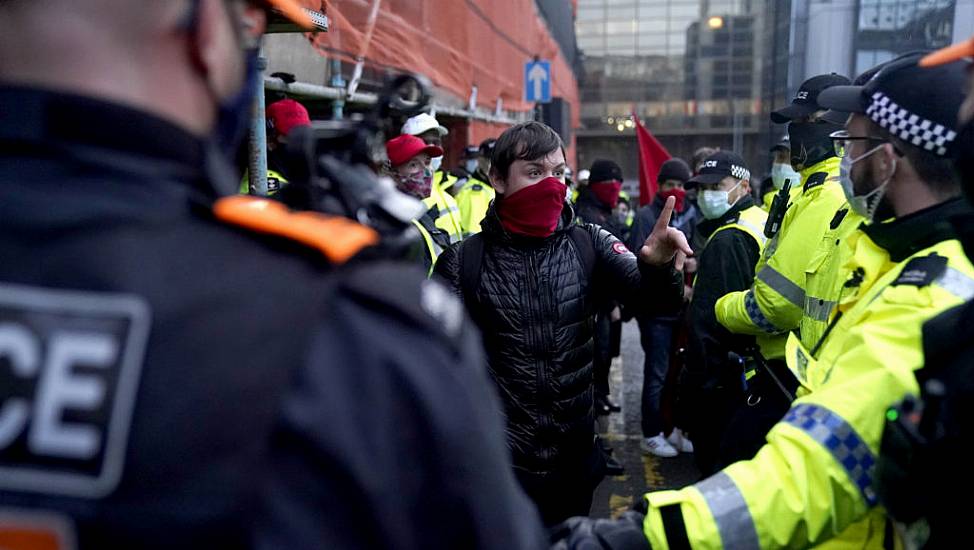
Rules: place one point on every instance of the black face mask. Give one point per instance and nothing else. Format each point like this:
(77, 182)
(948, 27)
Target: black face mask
(964, 158)
(810, 143)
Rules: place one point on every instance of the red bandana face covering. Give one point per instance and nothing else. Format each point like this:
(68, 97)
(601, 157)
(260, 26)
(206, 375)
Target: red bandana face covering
(534, 210)
(607, 192)
(680, 194)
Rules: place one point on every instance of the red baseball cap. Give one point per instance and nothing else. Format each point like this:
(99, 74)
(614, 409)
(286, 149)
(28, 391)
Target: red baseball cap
(402, 149)
(287, 114)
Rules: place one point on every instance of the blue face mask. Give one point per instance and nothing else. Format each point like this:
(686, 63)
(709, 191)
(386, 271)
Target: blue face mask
(715, 203)
(781, 172)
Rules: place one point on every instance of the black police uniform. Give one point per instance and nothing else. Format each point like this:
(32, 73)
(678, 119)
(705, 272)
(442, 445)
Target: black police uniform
(710, 388)
(171, 381)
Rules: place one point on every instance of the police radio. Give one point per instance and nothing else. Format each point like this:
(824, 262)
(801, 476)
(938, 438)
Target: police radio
(779, 205)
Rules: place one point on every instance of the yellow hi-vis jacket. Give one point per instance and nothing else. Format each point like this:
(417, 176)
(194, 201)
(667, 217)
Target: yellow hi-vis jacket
(473, 199)
(432, 249)
(444, 180)
(825, 276)
(446, 213)
(776, 300)
(751, 221)
(812, 480)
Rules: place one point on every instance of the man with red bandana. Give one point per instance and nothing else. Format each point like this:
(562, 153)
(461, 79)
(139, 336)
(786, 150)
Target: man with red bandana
(533, 280)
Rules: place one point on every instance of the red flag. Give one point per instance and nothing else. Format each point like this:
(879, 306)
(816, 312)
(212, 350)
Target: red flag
(652, 155)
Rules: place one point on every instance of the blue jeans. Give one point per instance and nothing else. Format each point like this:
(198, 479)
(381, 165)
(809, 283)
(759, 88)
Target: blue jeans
(656, 337)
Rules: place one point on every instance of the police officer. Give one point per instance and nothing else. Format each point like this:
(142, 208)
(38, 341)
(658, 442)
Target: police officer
(781, 171)
(813, 480)
(927, 443)
(734, 227)
(184, 369)
(776, 300)
(476, 194)
(282, 117)
(442, 207)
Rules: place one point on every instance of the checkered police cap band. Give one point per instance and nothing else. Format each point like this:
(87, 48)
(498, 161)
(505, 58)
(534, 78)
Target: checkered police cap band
(911, 128)
(740, 172)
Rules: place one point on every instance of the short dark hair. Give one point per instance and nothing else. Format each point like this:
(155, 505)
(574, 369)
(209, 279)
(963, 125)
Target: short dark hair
(525, 141)
(938, 173)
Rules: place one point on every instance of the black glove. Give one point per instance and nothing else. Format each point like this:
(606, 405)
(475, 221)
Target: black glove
(578, 533)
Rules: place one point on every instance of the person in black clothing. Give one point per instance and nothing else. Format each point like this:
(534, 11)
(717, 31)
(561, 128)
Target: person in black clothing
(656, 332)
(595, 205)
(711, 387)
(533, 280)
(183, 374)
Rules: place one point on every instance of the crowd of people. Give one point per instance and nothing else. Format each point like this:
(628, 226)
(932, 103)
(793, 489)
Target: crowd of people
(184, 364)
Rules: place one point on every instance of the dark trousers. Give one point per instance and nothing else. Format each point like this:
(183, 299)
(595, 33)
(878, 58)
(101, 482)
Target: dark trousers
(602, 361)
(708, 414)
(566, 492)
(746, 431)
(656, 337)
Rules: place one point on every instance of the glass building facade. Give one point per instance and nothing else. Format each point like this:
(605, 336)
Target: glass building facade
(697, 72)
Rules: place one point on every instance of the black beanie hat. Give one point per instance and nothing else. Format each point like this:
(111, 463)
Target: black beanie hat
(604, 170)
(674, 169)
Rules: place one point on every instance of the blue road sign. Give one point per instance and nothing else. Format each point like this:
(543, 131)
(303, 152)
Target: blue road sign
(537, 81)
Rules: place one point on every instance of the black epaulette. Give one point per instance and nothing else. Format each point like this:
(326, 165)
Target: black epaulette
(923, 271)
(837, 219)
(815, 180)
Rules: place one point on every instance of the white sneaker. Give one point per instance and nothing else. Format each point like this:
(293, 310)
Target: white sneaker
(657, 445)
(680, 441)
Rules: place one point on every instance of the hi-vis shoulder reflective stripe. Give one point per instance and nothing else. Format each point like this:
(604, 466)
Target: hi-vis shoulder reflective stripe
(337, 238)
(750, 221)
(956, 283)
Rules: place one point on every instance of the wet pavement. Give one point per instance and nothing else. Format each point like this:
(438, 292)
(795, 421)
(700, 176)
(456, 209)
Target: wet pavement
(623, 433)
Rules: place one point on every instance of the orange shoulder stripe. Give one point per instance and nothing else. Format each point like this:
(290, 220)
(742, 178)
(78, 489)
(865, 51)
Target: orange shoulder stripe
(337, 238)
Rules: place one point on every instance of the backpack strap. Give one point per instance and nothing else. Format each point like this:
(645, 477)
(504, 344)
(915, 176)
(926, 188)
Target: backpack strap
(471, 252)
(582, 239)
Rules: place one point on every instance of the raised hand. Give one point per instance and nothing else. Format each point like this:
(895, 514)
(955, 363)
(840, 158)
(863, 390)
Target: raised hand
(666, 244)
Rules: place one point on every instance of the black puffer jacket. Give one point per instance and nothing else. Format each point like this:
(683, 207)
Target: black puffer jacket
(535, 305)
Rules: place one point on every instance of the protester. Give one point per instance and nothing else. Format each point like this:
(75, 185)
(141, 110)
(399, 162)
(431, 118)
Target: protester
(595, 205)
(533, 280)
(442, 206)
(657, 332)
(205, 372)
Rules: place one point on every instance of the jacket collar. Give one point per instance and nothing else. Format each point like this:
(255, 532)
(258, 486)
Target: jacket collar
(109, 135)
(903, 237)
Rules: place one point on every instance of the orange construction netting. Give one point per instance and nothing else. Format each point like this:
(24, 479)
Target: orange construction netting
(457, 44)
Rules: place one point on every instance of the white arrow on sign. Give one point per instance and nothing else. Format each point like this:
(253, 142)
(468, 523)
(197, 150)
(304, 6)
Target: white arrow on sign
(537, 76)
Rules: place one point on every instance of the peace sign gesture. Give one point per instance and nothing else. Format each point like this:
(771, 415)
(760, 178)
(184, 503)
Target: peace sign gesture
(665, 243)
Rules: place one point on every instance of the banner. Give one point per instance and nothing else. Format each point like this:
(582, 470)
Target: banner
(652, 155)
